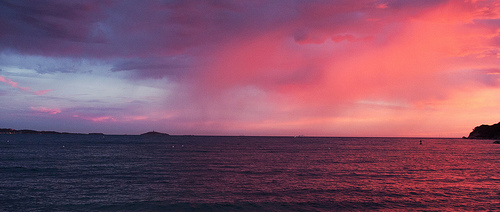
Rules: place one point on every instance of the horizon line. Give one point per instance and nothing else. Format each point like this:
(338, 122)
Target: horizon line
(3, 132)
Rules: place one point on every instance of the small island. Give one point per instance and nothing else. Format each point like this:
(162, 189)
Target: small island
(153, 133)
(486, 132)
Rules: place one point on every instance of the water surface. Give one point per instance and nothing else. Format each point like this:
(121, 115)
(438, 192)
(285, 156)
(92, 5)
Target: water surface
(191, 173)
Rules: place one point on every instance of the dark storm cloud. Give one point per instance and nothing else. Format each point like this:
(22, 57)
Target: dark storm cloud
(144, 28)
(173, 67)
(146, 37)
(48, 27)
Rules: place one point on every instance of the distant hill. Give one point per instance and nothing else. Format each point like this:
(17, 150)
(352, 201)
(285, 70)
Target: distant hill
(153, 133)
(34, 132)
(486, 132)
(12, 131)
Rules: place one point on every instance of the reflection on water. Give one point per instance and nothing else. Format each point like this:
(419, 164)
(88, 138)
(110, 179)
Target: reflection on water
(133, 173)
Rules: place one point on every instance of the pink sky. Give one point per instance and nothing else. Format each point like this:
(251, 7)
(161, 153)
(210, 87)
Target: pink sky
(316, 68)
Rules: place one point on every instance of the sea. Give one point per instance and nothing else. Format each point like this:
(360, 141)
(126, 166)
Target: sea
(244, 173)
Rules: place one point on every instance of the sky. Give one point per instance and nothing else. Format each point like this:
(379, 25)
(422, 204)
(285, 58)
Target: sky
(426, 68)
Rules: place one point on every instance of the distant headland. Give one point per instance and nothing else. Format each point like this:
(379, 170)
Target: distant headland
(153, 133)
(486, 132)
(35, 132)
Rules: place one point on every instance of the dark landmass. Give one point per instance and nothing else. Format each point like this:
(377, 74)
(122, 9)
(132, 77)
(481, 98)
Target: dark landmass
(153, 133)
(486, 132)
(96, 133)
(34, 132)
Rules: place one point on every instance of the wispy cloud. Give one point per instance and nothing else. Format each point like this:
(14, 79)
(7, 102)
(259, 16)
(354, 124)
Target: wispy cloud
(51, 111)
(96, 118)
(13, 84)
(26, 89)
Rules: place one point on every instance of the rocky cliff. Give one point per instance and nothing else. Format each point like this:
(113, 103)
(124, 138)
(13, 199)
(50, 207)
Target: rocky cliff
(486, 132)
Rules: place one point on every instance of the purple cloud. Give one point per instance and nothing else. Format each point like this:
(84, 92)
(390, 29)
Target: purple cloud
(49, 27)
(148, 37)
(174, 67)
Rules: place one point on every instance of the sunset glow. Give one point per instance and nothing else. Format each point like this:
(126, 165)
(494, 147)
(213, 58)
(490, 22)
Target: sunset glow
(316, 68)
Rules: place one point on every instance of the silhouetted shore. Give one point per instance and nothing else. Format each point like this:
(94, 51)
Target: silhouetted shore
(35, 132)
(153, 133)
(486, 132)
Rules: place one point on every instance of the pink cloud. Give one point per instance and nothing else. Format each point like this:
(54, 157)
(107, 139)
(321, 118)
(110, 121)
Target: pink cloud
(101, 119)
(407, 61)
(382, 6)
(350, 38)
(12, 83)
(46, 110)
(96, 119)
(107, 118)
(135, 118)
(42, 92)
(26, 89)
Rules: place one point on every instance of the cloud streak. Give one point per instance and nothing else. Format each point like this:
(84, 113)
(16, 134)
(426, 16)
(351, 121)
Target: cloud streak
(13, 84)
(46, 110)
(25, 89)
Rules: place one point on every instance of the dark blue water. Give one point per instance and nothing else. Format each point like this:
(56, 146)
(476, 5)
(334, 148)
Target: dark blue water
(134, 173)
